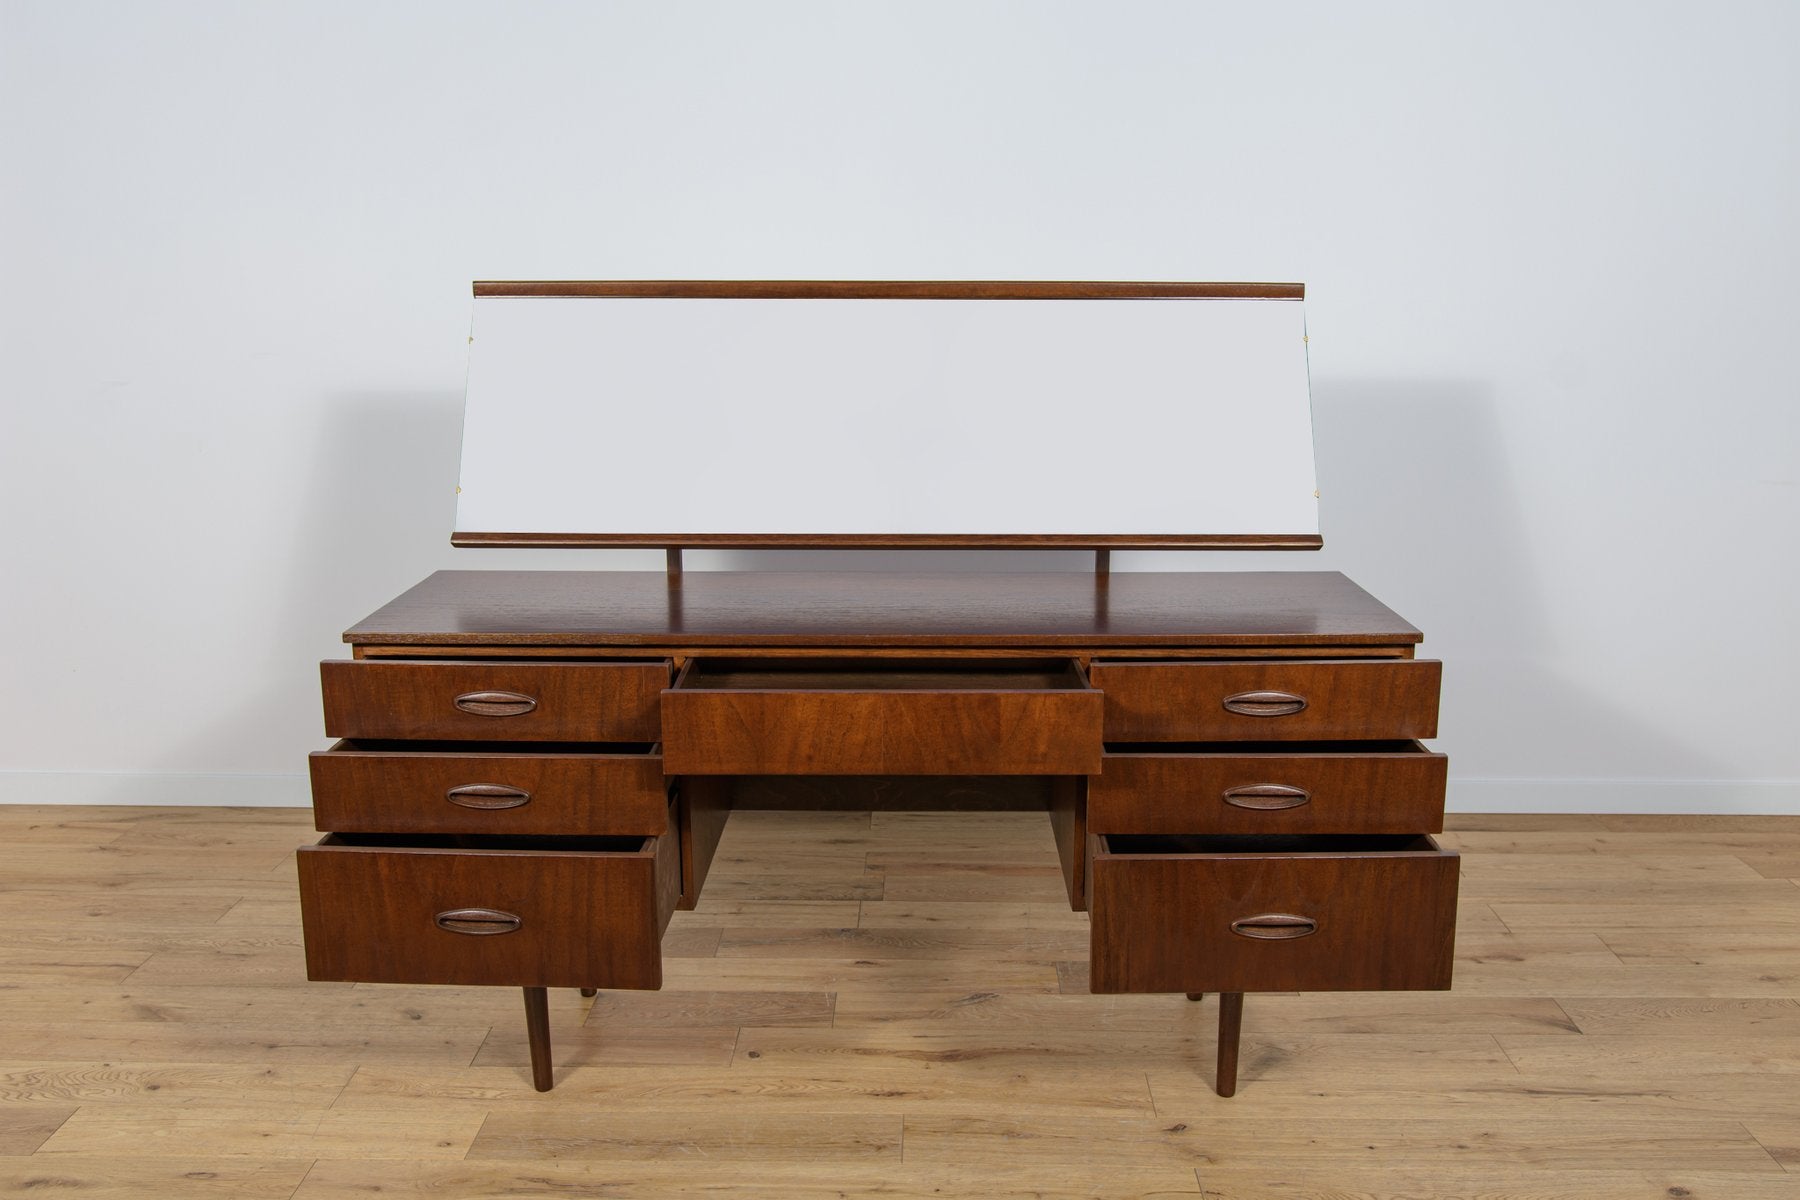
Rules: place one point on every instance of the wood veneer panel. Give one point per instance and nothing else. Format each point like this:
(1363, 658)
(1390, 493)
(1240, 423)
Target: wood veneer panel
(1326, 700)
(559, 702)
(1352, 787)
(704, 804)
(1069, 825)
(1164, 919)
(943, 289)
(412, 787)
(899, 541)
(372, 911)
(858, 721)
(852, 609)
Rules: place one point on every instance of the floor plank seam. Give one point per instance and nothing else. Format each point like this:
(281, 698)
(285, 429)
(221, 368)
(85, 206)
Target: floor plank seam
(469, 1154)
(1501, 1046)
(70, 1117)
(1729, 1055)
(1601, 938)
(357, 1070)
(479, 1047)
(1775, 1158)
(303, 1178)
(1572, 1022)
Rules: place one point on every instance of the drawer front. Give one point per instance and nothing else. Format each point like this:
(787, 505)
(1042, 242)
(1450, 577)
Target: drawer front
(1247, 922)
(1345, 790)
(1362, 699)
(494, 701)
(360, 787)
(840, 728)
(379, 911)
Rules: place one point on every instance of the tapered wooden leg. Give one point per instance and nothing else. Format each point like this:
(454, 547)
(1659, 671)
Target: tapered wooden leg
(537, 1030)
(589, 991)
(1196, 995)
(1231, 1020)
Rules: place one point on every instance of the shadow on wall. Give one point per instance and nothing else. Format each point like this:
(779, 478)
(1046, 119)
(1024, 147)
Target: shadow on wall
(373, 519)
(1422, 505)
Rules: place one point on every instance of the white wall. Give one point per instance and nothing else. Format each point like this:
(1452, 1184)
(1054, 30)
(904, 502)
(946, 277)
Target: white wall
(1547, 248)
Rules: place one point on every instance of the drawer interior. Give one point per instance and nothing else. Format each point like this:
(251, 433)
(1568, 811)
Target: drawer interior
(1263, 845)
(496, 843)
(887, 675)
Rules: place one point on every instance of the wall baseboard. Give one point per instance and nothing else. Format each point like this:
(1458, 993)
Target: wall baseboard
(1759, 797)
(1743, 797)
(159, 788)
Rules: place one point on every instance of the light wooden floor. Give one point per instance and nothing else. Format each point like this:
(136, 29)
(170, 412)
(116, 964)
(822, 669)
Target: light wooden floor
(894, 1005)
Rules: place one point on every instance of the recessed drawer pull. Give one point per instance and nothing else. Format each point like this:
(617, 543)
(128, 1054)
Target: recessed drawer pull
(1265, 704)
(495, 704)
(1274, 927)
(1266, 796)
(478, 921)
(488, 796)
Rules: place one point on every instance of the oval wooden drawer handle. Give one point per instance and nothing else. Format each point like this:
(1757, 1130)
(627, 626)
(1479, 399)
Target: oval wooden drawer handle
(495, 704)
(1267, 797)
(478, 921)
(1274, 927)
(488, 796)
(1265, 704)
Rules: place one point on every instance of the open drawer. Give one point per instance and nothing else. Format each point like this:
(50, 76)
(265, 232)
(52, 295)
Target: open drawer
(522, 912)
(472, 787)
(881, 717)
(1270, 914)
(1261, 787)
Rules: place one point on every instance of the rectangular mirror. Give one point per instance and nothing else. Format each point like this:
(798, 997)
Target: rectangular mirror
(897, 414)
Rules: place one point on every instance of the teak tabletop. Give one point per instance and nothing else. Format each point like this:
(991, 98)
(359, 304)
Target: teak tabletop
(865, 608)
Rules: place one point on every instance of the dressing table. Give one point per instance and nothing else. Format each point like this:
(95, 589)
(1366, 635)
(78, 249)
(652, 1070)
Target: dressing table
(534, 768)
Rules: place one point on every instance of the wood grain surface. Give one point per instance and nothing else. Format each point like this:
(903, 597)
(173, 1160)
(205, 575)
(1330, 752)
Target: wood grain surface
(1246, 914)
(556, 912)
(854, 720)
(891, 289)
(555, 702)
(896, 1006)
(1364, 787)
(1193, 702)
(454, 787)
(864, 610)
